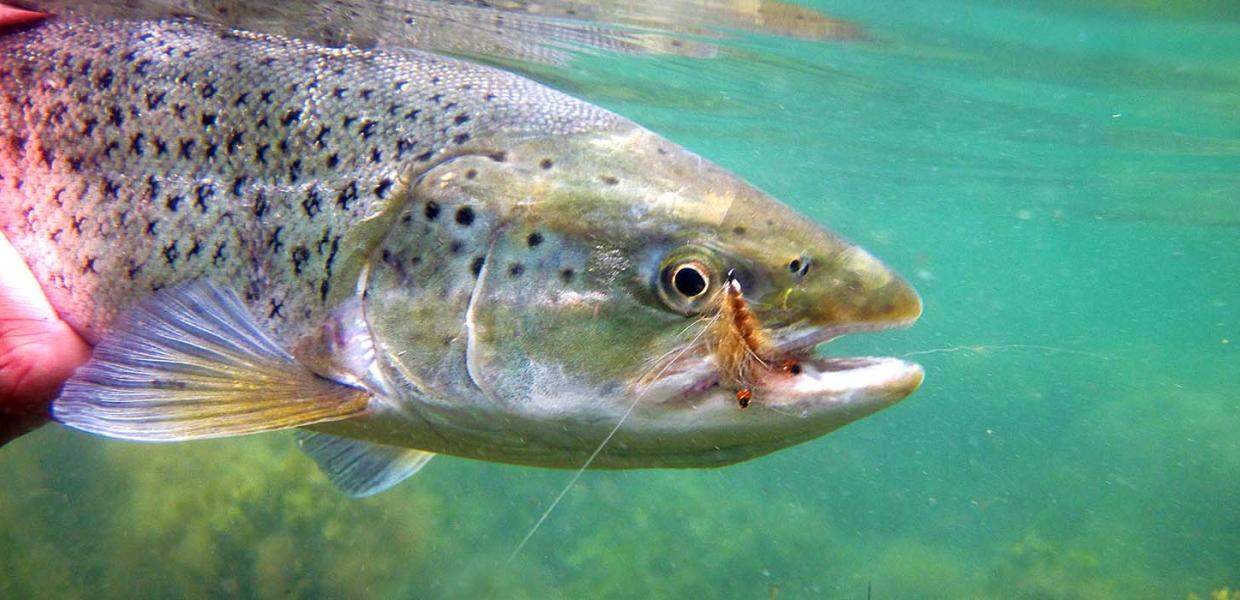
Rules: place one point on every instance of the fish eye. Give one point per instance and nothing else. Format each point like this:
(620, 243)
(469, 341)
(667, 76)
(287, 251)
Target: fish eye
(686, 278)
(690, 279)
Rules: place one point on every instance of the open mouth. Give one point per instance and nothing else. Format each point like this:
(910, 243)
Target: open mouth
(798, 375)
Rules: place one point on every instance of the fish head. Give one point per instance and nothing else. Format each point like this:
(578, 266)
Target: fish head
(571, 297)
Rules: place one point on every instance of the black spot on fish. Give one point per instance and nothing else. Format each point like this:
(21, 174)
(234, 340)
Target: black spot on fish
(431, 210)
(367, 129)
(88, 127)
(265, 96)
(425, 156)
(194, 250)
(171, 253)
(471, 174)
(347, 195)
(332, 161)
(203, 193)
(367, 93)
(465, 216)
(260, 153)
(48, 156)
(498, 157)
(242, 99)
(460, 119)
(274, 241)
(381, 190)
(104, 80)
(412, 115)
(179, 109)
(566, 275)
(290, 117)
(211, 150)
(311, 204)
(301, 254)
(110, 148)
(234, 142)
(55, 235)
(476, 266)
(89, 265)
(322, 135)
(187, 148)
(456, 247)
(155, 99)
(489, 97)
(75, 164)
(208, 119)
(534, 239)
(738, 230)
(294, 171)
(339, 92)
(277, 309)
(546, 164)
(376, 156)
(173, 202)
(260, 205)
(111, 189)
(460, 138)
(348, 121)
(608, 179)
(161, 147)
(516, 269)
(141, 67)
(208, 90)
(220, 256)
(135, 144)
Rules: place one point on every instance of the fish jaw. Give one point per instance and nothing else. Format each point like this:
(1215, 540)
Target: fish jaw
(786, 409)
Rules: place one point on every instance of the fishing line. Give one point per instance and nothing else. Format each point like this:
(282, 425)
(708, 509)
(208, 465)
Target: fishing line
(546, 513)
(979, 349)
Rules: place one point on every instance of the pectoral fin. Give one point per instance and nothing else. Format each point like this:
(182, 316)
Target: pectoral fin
(361, 469)
(190, 363)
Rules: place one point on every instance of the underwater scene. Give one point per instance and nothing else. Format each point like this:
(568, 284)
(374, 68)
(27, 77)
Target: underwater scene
(1059, 180)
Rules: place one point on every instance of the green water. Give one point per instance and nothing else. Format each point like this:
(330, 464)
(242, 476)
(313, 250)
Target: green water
(1062, 184)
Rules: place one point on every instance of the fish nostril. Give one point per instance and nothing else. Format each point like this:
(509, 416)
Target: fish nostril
(799, 266)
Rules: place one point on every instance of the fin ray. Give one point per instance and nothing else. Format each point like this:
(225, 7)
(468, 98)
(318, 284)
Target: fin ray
(190, 363)
(358, 468)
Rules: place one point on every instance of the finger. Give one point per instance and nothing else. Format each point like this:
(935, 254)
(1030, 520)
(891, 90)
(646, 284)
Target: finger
(15, 16)
(38, 351)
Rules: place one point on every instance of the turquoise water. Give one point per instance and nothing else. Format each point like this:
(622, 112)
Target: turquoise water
(1062, 184)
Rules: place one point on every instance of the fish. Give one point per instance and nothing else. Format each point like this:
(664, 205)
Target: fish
(541, 32)
(400, 254)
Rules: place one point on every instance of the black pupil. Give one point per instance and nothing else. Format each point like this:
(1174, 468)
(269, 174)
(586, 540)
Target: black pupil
(689, 281)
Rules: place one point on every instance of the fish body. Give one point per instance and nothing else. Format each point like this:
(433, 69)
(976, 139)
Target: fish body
(397, 250)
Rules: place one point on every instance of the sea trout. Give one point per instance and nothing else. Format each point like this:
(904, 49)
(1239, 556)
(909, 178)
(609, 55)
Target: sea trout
(402, 254)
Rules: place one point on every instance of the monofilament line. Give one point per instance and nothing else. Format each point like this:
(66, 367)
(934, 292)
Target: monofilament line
(576, 476)
(590, 460)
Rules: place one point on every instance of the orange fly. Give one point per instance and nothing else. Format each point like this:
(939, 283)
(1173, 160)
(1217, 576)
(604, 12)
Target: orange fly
(739, 343)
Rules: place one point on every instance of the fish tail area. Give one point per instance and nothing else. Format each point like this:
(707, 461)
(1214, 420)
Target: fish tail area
(191, 363)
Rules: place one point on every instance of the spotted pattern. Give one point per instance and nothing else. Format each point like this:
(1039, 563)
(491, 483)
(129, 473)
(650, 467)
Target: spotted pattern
(134, 156)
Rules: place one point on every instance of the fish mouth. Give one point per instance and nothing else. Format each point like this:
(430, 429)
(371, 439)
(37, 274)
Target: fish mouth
(800, 374)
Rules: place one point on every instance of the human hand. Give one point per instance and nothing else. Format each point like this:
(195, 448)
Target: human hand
(38, 351)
